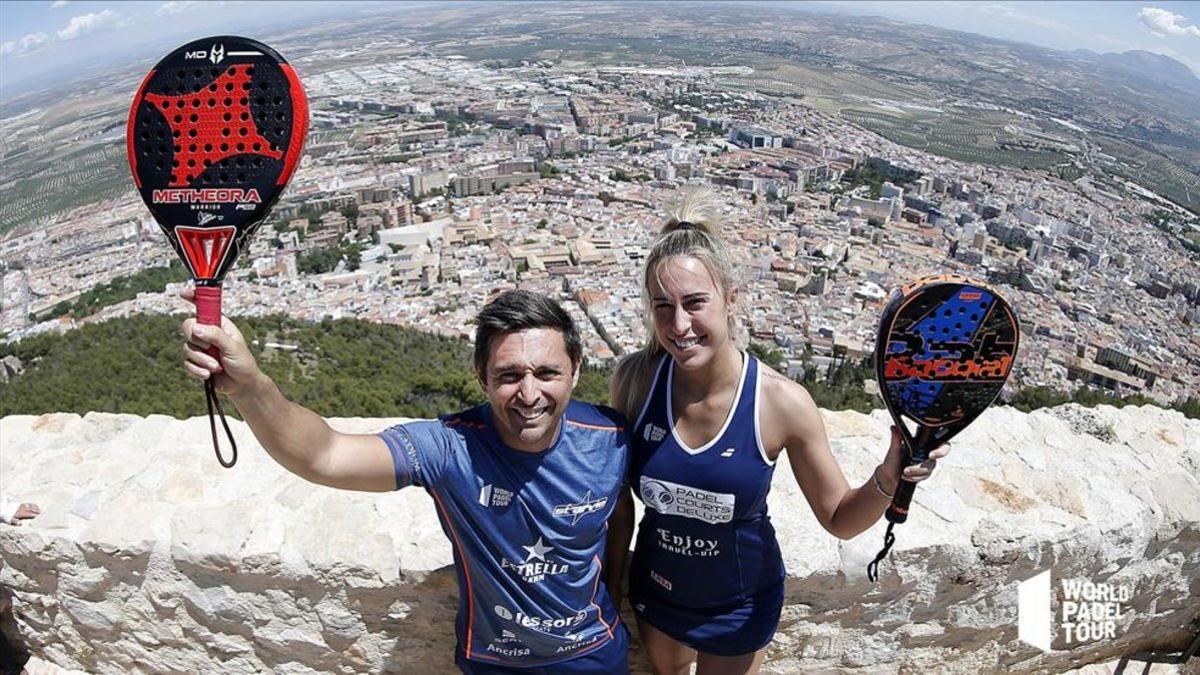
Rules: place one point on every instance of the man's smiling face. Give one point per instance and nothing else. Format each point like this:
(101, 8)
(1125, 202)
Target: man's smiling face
(528, 380)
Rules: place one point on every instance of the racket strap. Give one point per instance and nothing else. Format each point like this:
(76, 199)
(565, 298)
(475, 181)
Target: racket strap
(873, 566)
(210, 395)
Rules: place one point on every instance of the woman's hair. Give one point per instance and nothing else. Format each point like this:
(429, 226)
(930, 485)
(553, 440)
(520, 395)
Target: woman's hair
(692, 229)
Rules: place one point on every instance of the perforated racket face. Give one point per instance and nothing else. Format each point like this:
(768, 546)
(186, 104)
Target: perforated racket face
(946, 347)
(215, 131)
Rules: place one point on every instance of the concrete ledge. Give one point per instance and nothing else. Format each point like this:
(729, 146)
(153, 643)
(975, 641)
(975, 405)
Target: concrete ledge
(149, 556)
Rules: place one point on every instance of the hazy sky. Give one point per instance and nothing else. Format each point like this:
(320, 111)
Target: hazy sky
(40, 38)
(1169, 28)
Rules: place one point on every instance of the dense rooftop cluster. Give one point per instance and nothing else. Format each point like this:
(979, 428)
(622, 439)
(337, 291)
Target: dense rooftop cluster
(452, 181)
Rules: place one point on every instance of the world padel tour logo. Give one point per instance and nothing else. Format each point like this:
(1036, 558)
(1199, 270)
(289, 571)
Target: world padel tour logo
(1088, 611)
(654, 434)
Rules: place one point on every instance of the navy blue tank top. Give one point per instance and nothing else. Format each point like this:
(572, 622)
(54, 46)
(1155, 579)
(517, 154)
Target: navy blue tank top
(705, 539)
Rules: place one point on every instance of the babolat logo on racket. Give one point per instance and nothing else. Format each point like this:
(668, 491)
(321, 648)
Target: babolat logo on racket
(951, 370)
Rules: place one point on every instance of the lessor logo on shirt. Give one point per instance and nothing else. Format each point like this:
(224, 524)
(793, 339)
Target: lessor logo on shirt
(673, 499)
(544, 624)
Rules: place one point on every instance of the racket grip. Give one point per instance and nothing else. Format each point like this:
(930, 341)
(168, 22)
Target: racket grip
(208, 312)
(897, 511)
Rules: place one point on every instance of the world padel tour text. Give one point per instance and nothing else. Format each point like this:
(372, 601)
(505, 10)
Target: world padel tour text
(205, 196)
(1090, 611)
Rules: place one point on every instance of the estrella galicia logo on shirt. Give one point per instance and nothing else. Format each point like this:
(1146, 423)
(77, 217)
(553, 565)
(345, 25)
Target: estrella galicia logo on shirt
(579, 509)
(535, 567)
(673, 499)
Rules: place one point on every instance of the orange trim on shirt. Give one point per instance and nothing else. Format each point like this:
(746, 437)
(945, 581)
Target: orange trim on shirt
(595, 590)
(594, 426)
(466, 571)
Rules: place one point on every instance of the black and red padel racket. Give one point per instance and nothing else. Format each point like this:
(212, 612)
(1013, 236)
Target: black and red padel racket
(945, 348)
(215, 131)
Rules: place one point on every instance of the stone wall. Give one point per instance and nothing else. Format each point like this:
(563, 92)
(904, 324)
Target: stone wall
(149, 556)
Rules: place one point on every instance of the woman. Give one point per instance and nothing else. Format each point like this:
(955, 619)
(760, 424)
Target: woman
(709, 423)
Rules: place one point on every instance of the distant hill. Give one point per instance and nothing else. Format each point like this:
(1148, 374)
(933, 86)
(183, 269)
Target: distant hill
(1137, 108)
(1106, 93)
(1158, 68)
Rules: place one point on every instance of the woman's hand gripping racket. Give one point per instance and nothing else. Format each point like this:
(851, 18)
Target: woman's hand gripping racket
(945, 347)
(214, 133)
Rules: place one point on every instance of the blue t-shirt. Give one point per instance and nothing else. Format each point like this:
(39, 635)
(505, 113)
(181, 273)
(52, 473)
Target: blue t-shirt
(528, 529)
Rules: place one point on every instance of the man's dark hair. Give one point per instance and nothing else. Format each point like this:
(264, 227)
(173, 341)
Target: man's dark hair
(520, 310)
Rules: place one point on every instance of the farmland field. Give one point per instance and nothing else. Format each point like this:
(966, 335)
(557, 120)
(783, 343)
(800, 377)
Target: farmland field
(81, 177)
(320, 136)
(953, 135)
(1153, 171)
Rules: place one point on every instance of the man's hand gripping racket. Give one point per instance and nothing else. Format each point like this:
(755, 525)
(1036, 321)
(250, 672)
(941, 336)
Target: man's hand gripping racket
(214, 133)
(945, 348)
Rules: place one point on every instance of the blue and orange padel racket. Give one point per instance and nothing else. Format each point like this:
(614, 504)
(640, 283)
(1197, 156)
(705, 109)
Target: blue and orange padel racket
(215, 131)
(945, 348)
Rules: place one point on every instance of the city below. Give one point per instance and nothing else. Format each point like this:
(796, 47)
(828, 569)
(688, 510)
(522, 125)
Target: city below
(432, 181)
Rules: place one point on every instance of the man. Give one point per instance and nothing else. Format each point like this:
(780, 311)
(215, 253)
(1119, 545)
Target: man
(523, 484)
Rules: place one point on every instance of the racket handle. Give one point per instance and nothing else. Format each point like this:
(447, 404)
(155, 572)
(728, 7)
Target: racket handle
(208, 312)
(897, 511)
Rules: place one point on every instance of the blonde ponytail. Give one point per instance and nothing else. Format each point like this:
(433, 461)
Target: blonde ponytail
(692, 229)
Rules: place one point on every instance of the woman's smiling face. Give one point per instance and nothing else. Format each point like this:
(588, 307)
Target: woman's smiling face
(690, 311)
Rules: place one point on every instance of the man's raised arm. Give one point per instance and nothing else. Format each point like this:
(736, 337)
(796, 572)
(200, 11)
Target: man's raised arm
(296, 437)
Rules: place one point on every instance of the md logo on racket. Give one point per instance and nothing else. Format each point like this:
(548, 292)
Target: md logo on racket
(216, 54)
